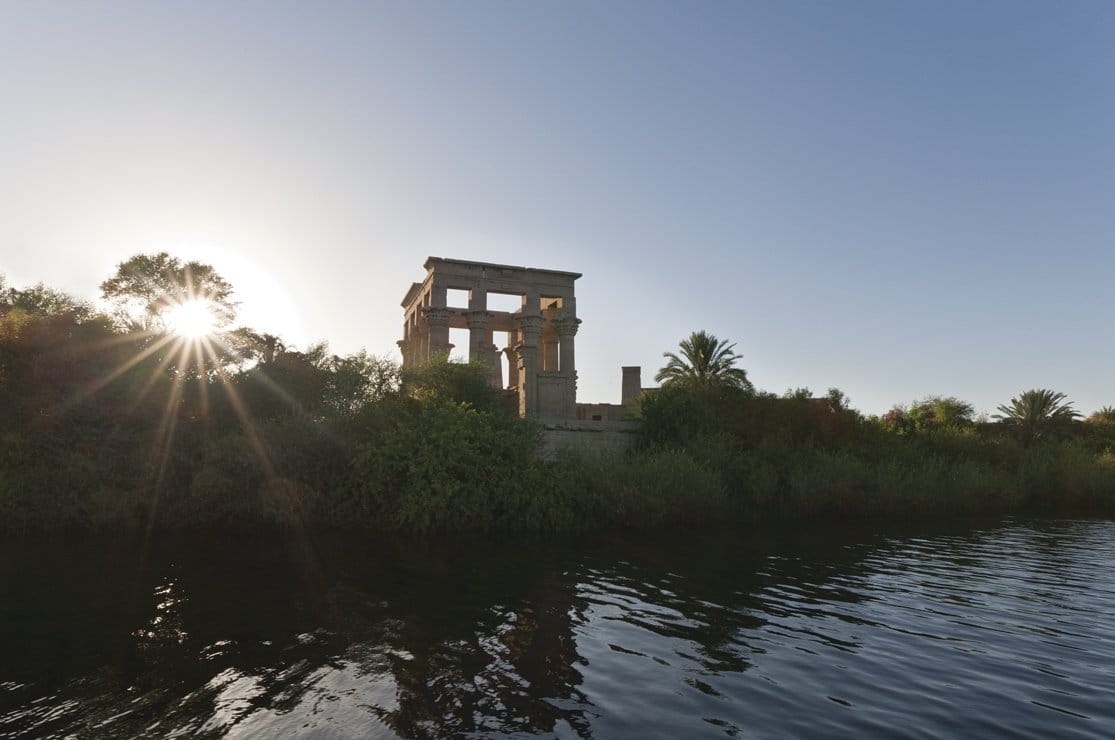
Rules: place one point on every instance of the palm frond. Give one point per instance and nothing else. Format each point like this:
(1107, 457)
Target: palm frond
(704, 360)
(1036, 412)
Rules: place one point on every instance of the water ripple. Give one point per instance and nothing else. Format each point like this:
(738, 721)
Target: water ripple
(999, 631)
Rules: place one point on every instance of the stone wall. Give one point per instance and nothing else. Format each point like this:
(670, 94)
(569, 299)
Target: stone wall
(597, 412)
(589, 438)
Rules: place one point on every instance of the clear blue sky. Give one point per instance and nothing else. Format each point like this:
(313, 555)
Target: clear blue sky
(894, 198)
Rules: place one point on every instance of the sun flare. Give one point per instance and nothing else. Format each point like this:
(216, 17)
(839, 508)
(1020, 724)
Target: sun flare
(191, 319)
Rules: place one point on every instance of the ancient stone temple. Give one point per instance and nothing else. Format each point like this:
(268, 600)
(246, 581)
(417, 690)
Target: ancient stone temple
(540, 329)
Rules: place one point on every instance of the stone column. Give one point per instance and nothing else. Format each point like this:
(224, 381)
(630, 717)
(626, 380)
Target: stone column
(567, 329)
(495, 367)
(549, 349)
(480, 347)
(512, 367)
(529, 327)
(479, 336)
(420, 349)
(437, 319)
(512, 359)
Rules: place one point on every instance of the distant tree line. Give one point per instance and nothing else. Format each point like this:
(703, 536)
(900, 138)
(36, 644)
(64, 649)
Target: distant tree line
(801, 454)
(111, 418)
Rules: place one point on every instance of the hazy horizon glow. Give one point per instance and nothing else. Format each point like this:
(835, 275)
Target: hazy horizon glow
(897, 200)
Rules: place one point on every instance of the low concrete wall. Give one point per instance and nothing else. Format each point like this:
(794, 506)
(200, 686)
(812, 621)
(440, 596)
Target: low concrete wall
(596, 438)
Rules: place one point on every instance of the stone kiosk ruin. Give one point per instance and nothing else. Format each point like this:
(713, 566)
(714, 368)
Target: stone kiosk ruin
(540, 349)
(541, 326)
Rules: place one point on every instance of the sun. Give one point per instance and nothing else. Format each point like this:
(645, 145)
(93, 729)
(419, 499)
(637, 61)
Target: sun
(191, 319)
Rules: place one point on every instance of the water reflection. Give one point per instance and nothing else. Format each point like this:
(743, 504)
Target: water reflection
(811, 632)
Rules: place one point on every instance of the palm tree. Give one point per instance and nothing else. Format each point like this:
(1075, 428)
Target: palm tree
(705, 361)
(1106, 415)
(1037, 411)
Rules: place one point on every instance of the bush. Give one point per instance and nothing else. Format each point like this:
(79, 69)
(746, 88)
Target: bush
(440, 465)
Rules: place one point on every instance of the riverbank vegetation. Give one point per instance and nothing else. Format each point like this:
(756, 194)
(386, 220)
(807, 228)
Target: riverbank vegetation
(155, 412)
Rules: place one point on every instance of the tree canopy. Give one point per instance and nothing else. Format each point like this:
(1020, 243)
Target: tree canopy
(43, 301)
(1105, 416)
(931, 413)
(1037, 412)
(705, 360)
(145, 286)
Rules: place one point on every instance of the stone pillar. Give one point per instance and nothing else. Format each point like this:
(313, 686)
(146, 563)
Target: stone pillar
(479, 336)
(404, 344)
(549, 349)
(529, 328)
(420, 349)
(512, 367)
(532, 303)
(495, 367)
(567, 329)
(632, 385)
(438, 296)
(480, 347)
(437, 319)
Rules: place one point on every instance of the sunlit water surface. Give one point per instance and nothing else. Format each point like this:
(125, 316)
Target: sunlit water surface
(1002, 630)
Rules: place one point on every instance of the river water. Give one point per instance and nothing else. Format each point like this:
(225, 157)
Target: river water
(1002, 629)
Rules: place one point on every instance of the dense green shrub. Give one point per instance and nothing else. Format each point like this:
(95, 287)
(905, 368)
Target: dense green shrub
(645, 490)
(440, 465)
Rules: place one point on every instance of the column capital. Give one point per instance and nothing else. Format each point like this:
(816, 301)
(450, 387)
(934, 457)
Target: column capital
(568, 326)
(436, 316)
(530, 323)
(479, 319)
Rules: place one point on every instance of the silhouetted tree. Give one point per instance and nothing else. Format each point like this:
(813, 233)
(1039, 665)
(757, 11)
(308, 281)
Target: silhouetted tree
(1037, 412)
(704, 361)
(146, 285)
(1105, 416)
(252, 346)
(40, 300)
(459, 382)
(932, 412)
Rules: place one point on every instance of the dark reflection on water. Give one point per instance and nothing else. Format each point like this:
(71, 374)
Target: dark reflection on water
(1005, 629)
